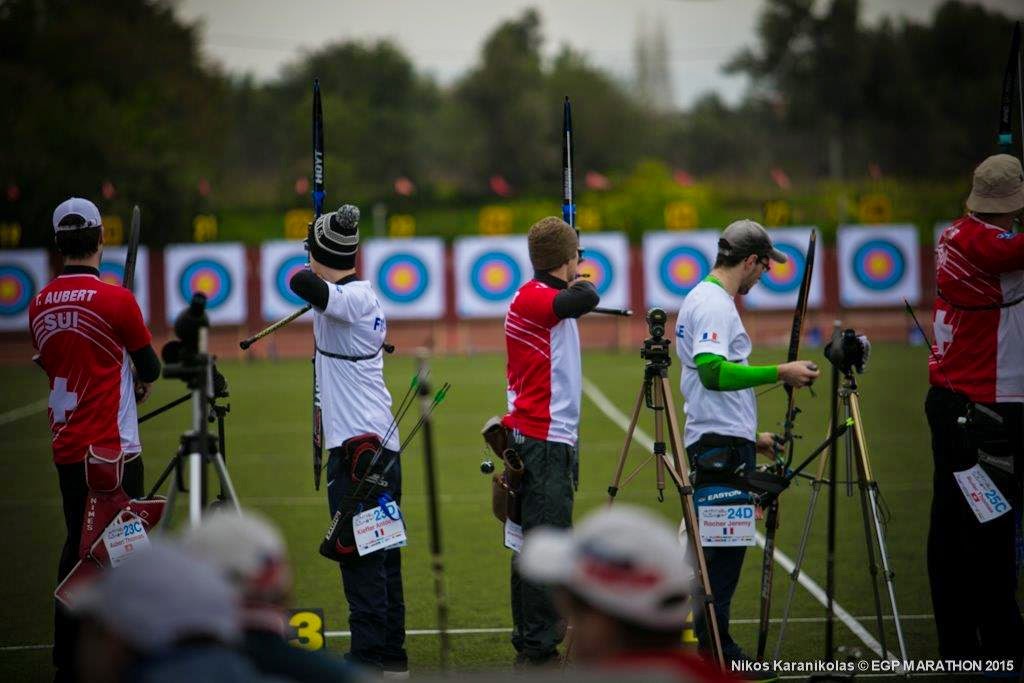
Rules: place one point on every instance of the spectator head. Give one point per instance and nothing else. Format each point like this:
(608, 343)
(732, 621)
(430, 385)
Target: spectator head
(161, 599)
(621, 576)
(249, 551)
(77, 228)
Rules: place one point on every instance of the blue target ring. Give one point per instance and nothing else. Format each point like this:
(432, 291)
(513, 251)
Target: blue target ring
(495, 276)
(784, 278)
(403, 277)
(16, 289)
(682, 268)
(283, 276)
(209, 277)
(879, 264)
(599, 268)
(112, 272)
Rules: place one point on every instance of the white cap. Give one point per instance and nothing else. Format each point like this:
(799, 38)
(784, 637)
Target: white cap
(248, 549)
(76, 206)
(161, 597)
(622, 560)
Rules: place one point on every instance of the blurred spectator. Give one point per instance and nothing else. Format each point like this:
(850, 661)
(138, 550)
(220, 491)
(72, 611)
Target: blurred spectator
(623, 581)
(162, 616)
(251, 553)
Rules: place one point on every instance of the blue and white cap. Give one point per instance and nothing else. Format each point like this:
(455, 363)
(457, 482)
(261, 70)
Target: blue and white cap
(81, 208)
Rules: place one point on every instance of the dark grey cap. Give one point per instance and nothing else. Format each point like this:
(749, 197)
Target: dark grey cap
(747, 237)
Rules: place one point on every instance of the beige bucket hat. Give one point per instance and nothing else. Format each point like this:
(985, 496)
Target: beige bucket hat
(998, 186)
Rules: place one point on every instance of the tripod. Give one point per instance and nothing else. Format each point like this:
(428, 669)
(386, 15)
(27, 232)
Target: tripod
(190, 361)
(656, 393)
(845, 398)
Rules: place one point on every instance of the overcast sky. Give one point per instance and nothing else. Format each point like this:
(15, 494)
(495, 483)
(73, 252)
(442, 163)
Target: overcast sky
(443, 37)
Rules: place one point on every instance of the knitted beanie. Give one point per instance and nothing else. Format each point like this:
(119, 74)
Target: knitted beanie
(336, 238)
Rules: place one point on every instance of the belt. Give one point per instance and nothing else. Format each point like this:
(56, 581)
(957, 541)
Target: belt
(720, 441)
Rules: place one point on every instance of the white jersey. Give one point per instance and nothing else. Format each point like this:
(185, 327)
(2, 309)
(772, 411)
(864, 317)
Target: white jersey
(708, 322)
(353, 395)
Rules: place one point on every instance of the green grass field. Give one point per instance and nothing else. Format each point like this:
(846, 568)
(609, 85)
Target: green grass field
(269, 461)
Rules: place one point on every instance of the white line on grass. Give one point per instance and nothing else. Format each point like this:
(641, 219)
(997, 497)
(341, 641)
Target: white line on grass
(24, 411)
(506, 629)
(640, 436)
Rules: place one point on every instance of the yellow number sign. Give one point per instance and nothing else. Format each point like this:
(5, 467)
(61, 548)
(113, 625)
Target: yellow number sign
(10, 234)
(495, 220)
(296, 223)
(401, 225)
(309, 628)
(204, 228)
(588, 218)
(777, 212)
(874, 208)
(680, 216)
(113, 230)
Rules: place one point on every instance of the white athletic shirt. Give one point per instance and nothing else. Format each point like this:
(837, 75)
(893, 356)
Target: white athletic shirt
(708, 322)
(353, 395)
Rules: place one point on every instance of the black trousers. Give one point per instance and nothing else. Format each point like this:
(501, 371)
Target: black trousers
(972, 566)
(549, 484)
(372, 583)
(73, 492)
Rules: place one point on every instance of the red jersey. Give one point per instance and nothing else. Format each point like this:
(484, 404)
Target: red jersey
(979, 329)
(543, 370)
(83, 329)
(667, 664)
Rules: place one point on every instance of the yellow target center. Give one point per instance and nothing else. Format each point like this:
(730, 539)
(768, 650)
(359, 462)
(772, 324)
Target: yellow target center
(8, 289)
(206, 284)
(494, 277)
(684, 270)
(878, 264)
(403, 277)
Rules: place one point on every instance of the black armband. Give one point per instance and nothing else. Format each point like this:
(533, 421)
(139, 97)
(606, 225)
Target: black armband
(310, 288)
(576, 300)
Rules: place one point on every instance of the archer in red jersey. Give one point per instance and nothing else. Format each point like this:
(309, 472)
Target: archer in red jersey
(974, 410)
(88, 335)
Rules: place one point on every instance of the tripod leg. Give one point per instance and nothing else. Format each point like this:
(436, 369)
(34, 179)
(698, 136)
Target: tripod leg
(172, 494)
(225, 480)
(680, 473)
(871, 486)
(613, 488)
(801, 552)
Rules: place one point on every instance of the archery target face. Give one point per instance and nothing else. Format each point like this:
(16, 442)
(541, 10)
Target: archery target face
(785, 277)
(408, 276)
(879, 265)
(16, 289)
(23, 272)
(209, 277)
(216, 270)
(682, 268)
(674, 263)
(779, 288)
(283, 275)
(488, 273)
(403, 277)
(495, 276)
(597, 268)
(606, 258)
(112, 272)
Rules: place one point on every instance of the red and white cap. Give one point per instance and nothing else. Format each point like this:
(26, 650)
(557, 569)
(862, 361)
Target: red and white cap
(623, 561)
(76, 206)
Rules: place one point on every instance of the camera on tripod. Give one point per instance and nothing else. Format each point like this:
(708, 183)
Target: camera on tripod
(655, 348)
(848, 351)
(185, 358)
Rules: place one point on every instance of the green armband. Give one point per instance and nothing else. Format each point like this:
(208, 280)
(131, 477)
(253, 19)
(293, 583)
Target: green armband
(718, 374)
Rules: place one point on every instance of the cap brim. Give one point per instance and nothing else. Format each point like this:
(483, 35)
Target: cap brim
(547, 556)
(778, 256)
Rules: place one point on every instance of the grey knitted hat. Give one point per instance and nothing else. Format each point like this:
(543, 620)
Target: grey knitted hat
(336, 238)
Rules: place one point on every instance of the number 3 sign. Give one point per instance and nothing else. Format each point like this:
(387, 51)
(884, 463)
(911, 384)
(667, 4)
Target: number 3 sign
(308, 623)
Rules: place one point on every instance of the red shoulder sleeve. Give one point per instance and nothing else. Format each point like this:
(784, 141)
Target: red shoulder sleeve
(997, 251)
(536, 303)
(129, 324)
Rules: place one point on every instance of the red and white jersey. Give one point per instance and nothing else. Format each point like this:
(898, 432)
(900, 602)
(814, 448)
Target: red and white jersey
(543, 369)
(83, 329)
(979, 340)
